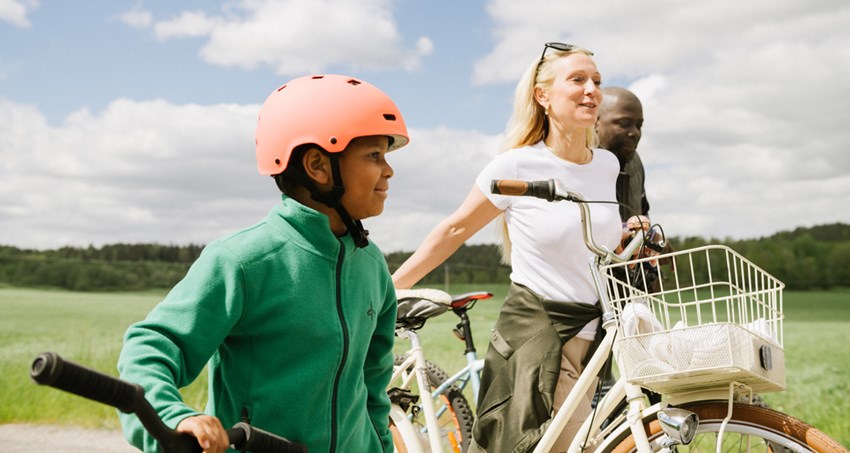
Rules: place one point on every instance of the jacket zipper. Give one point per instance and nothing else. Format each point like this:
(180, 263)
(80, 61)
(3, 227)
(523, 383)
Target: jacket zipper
(344, 346)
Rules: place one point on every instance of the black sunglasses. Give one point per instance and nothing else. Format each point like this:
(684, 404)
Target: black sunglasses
(559, 46)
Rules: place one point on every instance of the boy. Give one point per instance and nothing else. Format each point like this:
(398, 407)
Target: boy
(295, 315)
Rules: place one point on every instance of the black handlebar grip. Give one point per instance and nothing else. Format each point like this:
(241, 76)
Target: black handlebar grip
(50, 369)
(255, 439)
(539, 189)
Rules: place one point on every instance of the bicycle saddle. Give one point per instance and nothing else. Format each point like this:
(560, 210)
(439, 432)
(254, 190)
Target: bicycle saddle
(467, 299)
(415, 306)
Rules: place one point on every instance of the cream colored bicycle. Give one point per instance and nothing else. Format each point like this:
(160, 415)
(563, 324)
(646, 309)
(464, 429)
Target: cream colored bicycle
(706, 337)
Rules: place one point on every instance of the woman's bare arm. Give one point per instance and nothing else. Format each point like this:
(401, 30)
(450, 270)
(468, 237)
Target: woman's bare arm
(473, 214)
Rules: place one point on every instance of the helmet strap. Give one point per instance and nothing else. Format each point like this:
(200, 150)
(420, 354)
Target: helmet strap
(333, 199)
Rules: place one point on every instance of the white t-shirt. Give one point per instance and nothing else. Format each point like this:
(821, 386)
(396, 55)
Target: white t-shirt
(548, 253)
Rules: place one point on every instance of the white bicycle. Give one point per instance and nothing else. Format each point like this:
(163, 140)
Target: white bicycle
(448, 414)
(706, 337)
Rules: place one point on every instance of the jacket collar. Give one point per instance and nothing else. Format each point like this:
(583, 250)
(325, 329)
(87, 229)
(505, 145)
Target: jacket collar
(312, 228)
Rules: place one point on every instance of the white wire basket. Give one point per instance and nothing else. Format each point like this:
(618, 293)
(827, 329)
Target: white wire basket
(709, 318)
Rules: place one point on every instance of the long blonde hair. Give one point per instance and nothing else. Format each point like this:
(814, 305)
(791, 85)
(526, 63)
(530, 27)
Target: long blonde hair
(528, 123)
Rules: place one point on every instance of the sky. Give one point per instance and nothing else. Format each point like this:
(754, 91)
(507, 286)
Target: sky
(133, 121)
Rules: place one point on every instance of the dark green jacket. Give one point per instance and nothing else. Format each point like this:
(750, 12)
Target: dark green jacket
(521, 369)
(296, 326)
(631, 189)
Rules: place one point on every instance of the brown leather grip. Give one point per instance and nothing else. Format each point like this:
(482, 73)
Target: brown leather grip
(509, 187)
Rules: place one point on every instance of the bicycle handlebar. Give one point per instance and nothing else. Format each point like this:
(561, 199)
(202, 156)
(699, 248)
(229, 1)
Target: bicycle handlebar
(549, 190)
(539, 189)
(50, 369)
(553, 190)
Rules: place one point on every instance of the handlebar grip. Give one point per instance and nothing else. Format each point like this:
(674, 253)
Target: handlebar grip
(246, 437)
(539, 189)
(50, 369)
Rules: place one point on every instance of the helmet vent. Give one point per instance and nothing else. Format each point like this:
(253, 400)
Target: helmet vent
(389, 117)
(354, 82)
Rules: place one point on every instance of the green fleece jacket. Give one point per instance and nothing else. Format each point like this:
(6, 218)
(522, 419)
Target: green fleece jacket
(296, 326)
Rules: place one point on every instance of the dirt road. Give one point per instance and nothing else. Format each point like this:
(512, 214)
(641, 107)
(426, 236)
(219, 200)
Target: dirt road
(16, 438)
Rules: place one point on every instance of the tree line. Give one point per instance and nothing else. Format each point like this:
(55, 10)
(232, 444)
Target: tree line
(116, 267)
(806, 258)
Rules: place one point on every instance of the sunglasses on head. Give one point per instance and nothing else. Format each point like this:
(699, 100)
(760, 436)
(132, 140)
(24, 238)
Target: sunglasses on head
(559, 46)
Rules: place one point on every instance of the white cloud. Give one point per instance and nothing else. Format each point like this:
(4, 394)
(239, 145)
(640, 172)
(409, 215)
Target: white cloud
(648, 89)
(433, 175)
(154, 171)
(190, 24)
(294, 37)
(745, 121)
(635, 39)
(137, 18)
(137, 172)
(745, 104)
(157, 172)
(15, 11)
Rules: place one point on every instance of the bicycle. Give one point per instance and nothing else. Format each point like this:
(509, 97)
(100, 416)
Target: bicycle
(453, 413)
(52, 370)
(706, 339)
(445, 419)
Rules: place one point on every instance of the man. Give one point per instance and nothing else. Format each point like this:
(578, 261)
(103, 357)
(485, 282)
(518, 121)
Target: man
(619, 129)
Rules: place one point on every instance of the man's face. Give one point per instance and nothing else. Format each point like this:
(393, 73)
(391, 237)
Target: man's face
(619, 126)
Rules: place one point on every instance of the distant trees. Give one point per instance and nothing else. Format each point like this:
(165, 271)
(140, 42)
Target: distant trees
(806, 258)
(470, 264)
(109, 268)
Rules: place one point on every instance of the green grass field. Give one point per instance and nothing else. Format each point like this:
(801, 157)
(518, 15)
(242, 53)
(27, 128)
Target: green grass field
(87, 328)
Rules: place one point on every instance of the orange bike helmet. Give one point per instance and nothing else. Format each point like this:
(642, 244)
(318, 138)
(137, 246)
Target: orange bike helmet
(325, 110)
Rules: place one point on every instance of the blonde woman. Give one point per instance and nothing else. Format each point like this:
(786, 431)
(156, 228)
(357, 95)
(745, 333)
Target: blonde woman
(549, 321)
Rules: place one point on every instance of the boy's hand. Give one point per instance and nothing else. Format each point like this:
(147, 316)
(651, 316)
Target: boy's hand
(208, 430)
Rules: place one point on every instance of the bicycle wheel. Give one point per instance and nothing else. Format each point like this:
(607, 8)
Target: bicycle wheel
(455, 414)
(751, 429)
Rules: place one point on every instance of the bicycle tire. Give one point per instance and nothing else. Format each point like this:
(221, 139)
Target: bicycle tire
(751, 428)
(456, 421)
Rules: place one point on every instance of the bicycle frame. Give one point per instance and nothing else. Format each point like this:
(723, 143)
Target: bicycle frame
(471, 373)
(633, 394)
(417, 308)
(416, 358)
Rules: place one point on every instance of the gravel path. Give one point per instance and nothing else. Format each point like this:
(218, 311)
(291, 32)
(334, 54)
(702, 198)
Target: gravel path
(15, 438)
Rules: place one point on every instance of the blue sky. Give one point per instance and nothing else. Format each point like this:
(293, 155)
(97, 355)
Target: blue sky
(62, 66)
(132, 121)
